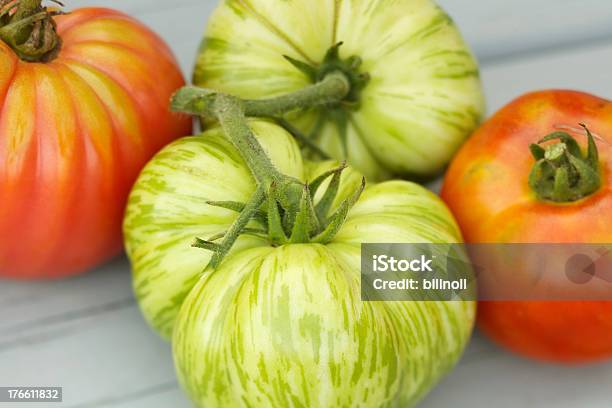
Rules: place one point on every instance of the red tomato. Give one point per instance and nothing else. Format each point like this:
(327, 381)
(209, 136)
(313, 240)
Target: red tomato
(74, 133)
(487, 188)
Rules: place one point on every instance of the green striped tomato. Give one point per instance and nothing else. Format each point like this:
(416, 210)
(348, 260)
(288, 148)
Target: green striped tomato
(284, 326)
(423, 99)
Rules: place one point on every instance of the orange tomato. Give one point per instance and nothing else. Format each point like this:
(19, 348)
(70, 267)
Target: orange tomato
(74, 133)
(487, 188)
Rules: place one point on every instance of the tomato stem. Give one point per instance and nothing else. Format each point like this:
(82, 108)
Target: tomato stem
(561, 173)
(199, 101)
(29, 29)
(230, 113)
(291, 216)
(332, 89)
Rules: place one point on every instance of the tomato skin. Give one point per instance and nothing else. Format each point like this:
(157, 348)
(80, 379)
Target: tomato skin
(74, 133)
(487, 189)
(568, 332)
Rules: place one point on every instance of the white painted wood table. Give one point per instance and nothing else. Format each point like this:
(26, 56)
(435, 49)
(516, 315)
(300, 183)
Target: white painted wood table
(86, 334)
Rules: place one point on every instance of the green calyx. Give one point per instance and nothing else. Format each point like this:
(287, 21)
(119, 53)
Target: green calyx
(339, 111)
(29, 29)
(562, 173)
(283, 207)
(333, 63)
(306, 222)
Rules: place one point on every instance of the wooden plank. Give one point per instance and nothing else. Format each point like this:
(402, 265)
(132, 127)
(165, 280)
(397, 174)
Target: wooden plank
(499, 28)
(489, 377)
(585, 68)
(98, 360)
(26, 306)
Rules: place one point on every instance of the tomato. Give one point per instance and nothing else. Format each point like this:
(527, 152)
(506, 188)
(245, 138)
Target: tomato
(489, 189)
(416, 93)
(273, 322)
(77, 125)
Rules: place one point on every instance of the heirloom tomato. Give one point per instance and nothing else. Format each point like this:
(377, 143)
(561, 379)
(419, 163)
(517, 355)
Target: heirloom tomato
(284, 325)
(561, 192)
(84, 106)
(415, 92)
